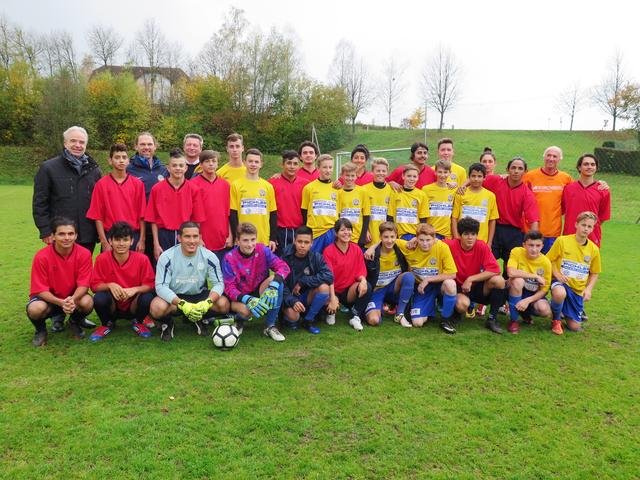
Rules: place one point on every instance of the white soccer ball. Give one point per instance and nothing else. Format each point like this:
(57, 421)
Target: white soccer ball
(226, 337)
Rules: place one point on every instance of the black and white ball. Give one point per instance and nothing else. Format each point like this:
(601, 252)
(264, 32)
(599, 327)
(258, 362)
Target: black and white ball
(226, 337)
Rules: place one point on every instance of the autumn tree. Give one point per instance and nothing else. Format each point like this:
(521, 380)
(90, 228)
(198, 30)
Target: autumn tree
(441, 79)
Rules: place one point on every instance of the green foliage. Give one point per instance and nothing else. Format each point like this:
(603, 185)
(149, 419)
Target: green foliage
(118, 107)
(19, 100)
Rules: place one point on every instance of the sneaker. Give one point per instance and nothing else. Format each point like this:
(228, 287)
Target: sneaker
(148, 322)
(356, 323)
(166, 331)
(389, 309)
(39, 338)
(447, 326)
(344, 309)
(76, 330)
(526, 318)
(481, 309)
(401, 319)
(99, 333)
(556, 327)
(331, 319)
(311, 328)
(471, 312)
(493, 325)
(57, 323)
(514, 327)
(201, 329)
(86, 323)
(504, 309)
(274, 333)
(141, 330)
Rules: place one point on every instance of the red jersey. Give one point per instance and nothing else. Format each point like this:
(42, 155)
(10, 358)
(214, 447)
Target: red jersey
(288, 198)
(576, 198)
(215, 200)
(514, 203)
(134, 272)
(113, 202)
(478, 259)
(51, 272)
(170, 207)
(425, 177)
(306, 176)
(346, 267)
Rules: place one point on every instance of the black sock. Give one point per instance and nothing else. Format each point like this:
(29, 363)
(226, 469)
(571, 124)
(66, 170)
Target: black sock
(496, 300)
(40, 325)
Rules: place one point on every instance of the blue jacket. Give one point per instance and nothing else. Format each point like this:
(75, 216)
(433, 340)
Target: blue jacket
(139, 168)
(318, 274)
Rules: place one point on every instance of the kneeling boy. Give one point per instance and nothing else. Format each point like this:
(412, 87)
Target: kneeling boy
(247, 282)
(123, 282)
(306, 290)
(181, 283)
(60, 279)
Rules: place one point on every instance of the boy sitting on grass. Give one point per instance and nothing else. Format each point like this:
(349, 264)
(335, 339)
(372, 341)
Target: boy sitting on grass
(253, 291)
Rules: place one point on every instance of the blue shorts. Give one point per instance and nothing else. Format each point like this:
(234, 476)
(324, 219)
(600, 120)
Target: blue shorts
(531, 310)
(573, 303)
(424, 304)
(381, 295)
(440, 237)
(302, 298)
(323, 241)
(547, 243)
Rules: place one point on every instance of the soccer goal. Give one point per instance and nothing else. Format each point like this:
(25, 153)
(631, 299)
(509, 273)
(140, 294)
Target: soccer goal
(395, 157)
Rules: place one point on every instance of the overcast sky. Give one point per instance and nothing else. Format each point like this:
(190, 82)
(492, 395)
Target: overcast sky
(516, 57)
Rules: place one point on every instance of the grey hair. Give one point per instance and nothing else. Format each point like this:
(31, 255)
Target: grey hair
(67, 133)
(193, 135)
(553, 147)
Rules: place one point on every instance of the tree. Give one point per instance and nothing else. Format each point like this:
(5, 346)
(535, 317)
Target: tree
(350, 74)
(630, 105)
(152, 46)
(59, 54)
(414, 120)
(222, 54)
(607, 94)
(19, 103)
(441, 82)
(392, 86)
(105, 43)
(569, 102)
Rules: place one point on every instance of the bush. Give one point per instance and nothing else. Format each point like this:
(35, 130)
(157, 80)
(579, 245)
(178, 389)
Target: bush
(618, 161)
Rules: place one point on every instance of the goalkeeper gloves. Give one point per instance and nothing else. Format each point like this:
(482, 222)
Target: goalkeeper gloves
(270, 296)
(204, 306)
(190, 311)
(255, 306)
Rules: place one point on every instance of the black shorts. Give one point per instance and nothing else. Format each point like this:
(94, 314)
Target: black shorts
(203, 295)
(506, 238)
(476, 293)
(55, 309)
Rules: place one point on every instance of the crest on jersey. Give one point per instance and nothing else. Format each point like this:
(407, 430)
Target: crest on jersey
(333, 196)
(432, 261)
(356, 202)
(414, 203)
(540, 271)
(387, 200)
(484, 202)
(200, 266)
(450, 198)
(587, 258)
(160, 178)
(262, 193)
(453, 176)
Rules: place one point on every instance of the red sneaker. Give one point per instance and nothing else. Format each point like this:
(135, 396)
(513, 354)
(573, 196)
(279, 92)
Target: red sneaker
(99, 333)
(556, 327)
(148, 322)
(514, 327)
(141, 330)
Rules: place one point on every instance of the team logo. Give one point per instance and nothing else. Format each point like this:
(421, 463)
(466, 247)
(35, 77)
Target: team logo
(453, 176)
(450, 198)
(587, 258)
(356, 202)
(386, 200)
(540, 271)
(333, 196)
(484, 202)
(414, 203)
(306, 271)
(160, 178)
(200, 266)
(262, 193)
(432, 261)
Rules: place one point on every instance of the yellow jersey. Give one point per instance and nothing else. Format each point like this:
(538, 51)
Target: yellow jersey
(379, 200)
(231, 174)
(390, 269)
(480, 206)
(320, 200)
(575, 261)
(457, 176)
(407, 207)
(540, 266)
(440, 207)
(437, 261)
(354, 205)
(254, 200)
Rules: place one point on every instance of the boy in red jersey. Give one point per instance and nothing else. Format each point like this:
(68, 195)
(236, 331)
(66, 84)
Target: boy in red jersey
(119, 197)
(123, 283)
(60, 279)
(288, 190)
(478, 277)
(584, 195)
(172, 203)
(214, 192)
(419, 157)
(308, 152)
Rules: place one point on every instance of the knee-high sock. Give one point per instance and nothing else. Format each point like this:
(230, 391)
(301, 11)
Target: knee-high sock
(102, 302)
(40, 325)
(406, 290)
(317, 303)
(448, 304)
(513, 311)
(496, 298)
(144, 302)
(556, 309)
(271, 316)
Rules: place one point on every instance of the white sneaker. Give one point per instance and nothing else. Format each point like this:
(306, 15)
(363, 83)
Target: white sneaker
(274, 333)
(401, 319)
(331, 319)
(356, 323)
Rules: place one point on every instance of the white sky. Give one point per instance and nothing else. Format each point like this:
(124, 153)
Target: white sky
(516, 56)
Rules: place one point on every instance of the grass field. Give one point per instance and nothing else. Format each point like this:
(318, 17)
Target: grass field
(383, 403)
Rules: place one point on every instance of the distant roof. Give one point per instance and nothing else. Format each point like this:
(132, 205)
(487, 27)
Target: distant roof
(173, 74)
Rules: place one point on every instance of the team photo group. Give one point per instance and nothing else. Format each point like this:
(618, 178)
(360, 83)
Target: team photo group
(197, 243)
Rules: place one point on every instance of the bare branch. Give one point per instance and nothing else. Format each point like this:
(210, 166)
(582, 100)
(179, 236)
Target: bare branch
(607, 94)
(440, 82)
(105, 43)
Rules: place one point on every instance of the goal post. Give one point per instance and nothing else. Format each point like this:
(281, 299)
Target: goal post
(395, 157)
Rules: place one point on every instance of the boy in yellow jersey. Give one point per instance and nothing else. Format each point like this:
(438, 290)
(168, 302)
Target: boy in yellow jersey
(576, 265)
(320, 205)
(529, 280)
(478, 203)
(379, 193)
(440, 196)
(253, 201)
(388, 273)
(353, 203)
(409, 206)
(458, 174)
(234, 169)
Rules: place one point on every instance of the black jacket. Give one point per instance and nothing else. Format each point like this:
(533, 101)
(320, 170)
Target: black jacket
(373, 266)
(58, 190)
(318, 274)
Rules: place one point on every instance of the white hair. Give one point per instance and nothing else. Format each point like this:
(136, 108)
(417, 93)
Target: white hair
(553, 147)
(75, 128)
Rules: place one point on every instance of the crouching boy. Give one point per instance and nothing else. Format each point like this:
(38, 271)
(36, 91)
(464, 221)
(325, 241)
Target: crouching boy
(253, 292)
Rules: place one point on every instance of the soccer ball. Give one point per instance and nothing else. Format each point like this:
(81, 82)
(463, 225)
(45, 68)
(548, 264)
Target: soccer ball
(225, 337)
